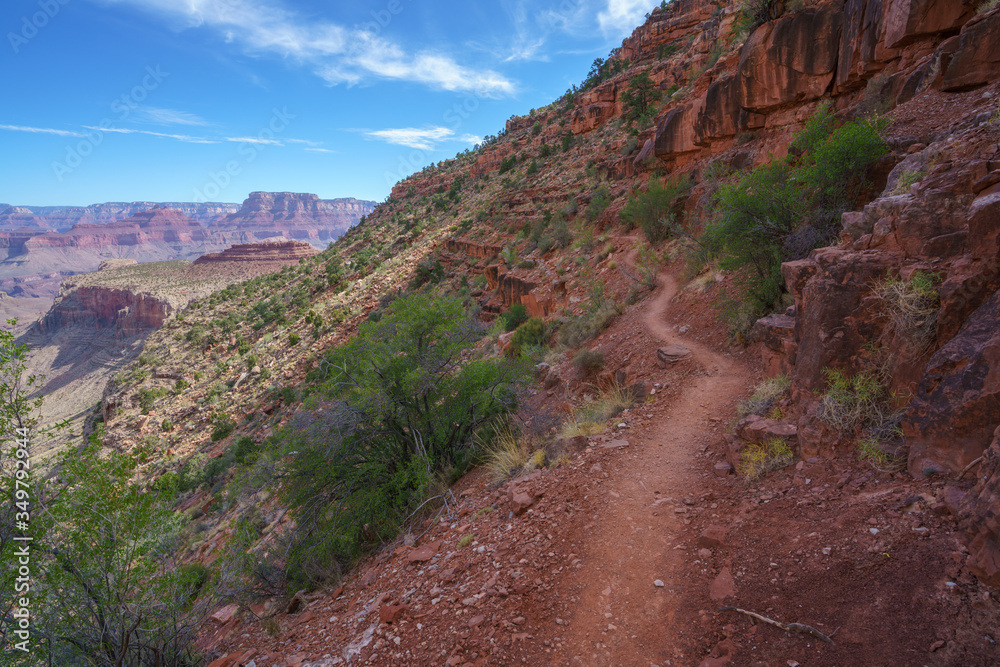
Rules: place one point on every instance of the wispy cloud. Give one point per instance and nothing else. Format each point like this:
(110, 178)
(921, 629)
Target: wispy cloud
(414, 137)
(179, 137)
(318, 150)
(170, 116)
(336, 53)
(303, 141)
(622, 16)
(42, 130)
(254, 140)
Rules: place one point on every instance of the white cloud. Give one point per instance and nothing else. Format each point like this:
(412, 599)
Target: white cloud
(337, 54)
(42, 130)
(424, 139)
(303, 141)
(622, 16)
(169, 116)
(179, 137)
(319, 150)
(254, 140)
(471, 139)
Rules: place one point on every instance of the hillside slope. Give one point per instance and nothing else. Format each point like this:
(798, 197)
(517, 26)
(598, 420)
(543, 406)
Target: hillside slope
(561, 566)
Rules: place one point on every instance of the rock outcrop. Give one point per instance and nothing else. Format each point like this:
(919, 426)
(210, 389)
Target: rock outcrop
(269, 252)
(296, 216)
(62, 218)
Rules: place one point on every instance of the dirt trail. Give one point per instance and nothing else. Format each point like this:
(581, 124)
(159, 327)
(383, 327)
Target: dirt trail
(622, 618)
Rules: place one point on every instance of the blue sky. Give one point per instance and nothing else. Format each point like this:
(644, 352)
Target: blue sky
(208, 100)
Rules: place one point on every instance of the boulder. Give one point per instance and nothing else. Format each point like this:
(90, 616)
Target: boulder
(669, 355)
(977, 60)
(720, 113)
(675, 132)
(980, 513)
(791, 60)
(957, 405)
(908, 20)
(861, 51)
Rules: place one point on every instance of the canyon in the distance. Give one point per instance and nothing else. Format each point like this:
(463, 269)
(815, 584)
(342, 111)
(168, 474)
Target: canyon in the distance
(42, 245)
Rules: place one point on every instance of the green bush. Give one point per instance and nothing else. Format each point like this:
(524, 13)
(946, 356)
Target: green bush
(657, 210)
(222, 426)
(530, 334)
(246, 450)
(293, 339)
(860, 403)
(166, 425)
(515, 317)
(600, 312)
(638, 98)
(782, 210)
(402, 409)
(589, 362)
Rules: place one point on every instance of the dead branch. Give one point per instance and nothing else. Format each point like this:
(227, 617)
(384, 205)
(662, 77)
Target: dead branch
(969, 467)
(788, 627)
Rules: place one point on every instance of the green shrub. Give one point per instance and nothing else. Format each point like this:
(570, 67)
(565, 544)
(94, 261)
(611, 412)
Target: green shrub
(401, 410)
(515, 317)
(532, 168)
(166, 425)
(529, 334)
(589, 362)
(782, 210)
(222, 426)
(657, 210)
(600, 312)
(293, 339)
(599, 201)
(757, 459)
(858, 403)
(638, 98)
(567, 141)
(246, 450)
(911, 306)
(765, 395)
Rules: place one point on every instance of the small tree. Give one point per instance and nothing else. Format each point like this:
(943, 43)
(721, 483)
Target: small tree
(405, 399)
(639, 97)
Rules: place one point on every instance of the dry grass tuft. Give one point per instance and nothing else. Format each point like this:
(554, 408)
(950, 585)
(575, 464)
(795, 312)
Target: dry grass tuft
(758, 459)
(764, 396)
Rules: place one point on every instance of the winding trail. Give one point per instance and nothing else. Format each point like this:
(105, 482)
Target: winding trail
(621, 618)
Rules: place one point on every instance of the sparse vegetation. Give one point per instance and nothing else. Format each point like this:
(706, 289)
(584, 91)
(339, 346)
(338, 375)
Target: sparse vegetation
(911, 306)
(506, 452)
(860, 403)
(782, 210)
(764, 396)
(590, 362)
(758, 459)
(657, 210)
(870, 451)
(591, 417)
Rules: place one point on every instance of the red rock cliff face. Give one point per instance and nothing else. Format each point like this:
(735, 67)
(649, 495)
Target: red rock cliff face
(61, 218)
(296, 215)
(105, 308)
(158, 225)
(274, 252)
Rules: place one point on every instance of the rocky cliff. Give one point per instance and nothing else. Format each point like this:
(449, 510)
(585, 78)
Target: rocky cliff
(270, 252)
(62, 218)
(296, 215)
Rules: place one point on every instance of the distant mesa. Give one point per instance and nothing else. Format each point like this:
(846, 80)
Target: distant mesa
(69, 240)
(269, 252)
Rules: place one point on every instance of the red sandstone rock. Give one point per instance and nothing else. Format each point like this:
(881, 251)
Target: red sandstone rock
(958, 402)
(790, 60)
(281, 252)
(977, 59)
(981, 517)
